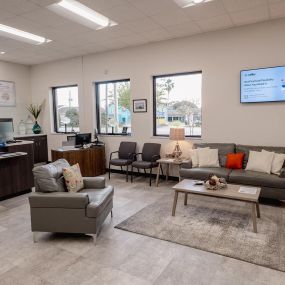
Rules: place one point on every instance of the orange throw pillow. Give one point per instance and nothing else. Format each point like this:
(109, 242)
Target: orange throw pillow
(235, 160)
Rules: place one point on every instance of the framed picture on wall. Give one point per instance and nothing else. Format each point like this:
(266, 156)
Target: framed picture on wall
(7, 94)
(140, 106)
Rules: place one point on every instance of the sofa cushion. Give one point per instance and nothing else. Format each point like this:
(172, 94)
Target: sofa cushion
(48, 178)
(247, 148)
(260, 161)
(73, 178)
(254, 178)
(235, 160)
(223, 148)
(203, 173)
(98, 200)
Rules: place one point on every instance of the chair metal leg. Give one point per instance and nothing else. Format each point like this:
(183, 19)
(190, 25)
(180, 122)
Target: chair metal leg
(121, 168)
(132, 174)
(111, 213)
(35, 237)
(94, 238)
(161, 169)
(109, 171)
(127, 173)
(150, 173)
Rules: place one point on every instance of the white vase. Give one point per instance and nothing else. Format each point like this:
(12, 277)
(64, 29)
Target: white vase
(22, 128)
(29, 126)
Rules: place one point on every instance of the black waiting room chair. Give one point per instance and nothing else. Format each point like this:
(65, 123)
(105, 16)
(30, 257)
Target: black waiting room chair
(149, 155)
(126, 155)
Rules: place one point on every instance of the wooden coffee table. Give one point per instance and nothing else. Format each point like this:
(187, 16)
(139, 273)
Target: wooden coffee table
(187, 186)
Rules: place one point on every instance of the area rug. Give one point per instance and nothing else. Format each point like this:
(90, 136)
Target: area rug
(216, 225)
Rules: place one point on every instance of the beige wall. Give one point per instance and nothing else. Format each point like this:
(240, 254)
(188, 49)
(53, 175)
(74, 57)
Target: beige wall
(220, 55)
(20, 74)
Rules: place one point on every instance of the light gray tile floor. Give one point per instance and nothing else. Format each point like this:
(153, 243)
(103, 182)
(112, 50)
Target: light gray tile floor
(119, 257)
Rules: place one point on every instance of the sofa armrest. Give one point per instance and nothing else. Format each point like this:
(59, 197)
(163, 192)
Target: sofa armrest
(187, 165)
(94, 182)
(282, 173)
(65, 200)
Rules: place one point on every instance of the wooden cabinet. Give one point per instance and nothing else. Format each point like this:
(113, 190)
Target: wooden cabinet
(91, 160)
(16, 175)
(40, 147)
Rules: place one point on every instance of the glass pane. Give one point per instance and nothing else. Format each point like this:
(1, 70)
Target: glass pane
(67, 109)
(178, 103)
(114, 107)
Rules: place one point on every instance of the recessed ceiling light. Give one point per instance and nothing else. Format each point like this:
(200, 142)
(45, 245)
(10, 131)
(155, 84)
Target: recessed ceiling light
(13, 33)
(2, 52)
(189, 3)
(82, 14)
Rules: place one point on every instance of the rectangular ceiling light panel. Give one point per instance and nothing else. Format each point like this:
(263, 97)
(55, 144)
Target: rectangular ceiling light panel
(17, 34)
(75, 11)
(189, 3)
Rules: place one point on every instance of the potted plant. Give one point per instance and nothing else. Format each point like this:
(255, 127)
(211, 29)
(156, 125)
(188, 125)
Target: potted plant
(35, 110)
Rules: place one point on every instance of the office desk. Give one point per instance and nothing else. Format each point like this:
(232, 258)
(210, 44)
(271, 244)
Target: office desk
(92, 161)
(16, 175)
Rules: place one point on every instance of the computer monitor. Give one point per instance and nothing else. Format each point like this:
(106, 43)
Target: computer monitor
(6, 129)
(81, 139)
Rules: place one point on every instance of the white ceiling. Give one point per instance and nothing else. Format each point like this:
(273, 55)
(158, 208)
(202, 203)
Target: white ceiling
(139, 22)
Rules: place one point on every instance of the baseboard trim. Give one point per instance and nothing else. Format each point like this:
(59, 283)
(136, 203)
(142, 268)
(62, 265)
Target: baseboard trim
(15, 194)
(135, 173)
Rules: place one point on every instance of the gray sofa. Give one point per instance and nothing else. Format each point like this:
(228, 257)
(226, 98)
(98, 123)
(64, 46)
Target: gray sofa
(53, 209)
(272, 186)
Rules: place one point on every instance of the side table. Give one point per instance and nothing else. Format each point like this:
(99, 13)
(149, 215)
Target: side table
(169, 162)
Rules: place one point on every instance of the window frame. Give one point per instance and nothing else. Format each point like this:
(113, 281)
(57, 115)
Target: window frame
(154, 77)
(54, 106)
(97, 105)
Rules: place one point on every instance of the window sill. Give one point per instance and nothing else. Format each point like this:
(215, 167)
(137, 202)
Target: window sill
(186, 138)
(114, 135)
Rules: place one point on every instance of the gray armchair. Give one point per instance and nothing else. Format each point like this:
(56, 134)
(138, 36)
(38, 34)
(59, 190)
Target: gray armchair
(125, 157)
(55, 210)
(149, 155)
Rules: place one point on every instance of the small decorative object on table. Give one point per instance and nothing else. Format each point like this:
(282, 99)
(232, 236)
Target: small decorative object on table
(35, 110)
(177, 134)
(215, 183)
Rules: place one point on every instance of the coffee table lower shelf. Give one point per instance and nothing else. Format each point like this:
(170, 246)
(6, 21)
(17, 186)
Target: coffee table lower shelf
(225, 194)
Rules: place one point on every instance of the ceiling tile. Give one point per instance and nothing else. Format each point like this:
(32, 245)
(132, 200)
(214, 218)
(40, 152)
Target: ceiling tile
(216, 23)
(17, 7)
(139, 22)
(142, 25)
(238, 5)
(206, 10)
(169, 18)
(151, 7)
(156, 35)
(101, 5)
(123, 13)
(249, 16)
(46, 17)
(184, 29)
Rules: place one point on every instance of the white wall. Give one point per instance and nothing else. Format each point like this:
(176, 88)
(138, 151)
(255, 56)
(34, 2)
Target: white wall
(220, 55)
(20, 74)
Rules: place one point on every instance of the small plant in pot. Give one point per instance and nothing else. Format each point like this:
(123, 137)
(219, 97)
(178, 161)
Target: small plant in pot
(35, 110)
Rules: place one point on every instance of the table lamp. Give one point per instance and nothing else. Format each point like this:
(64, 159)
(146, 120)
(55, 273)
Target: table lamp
(177, 134)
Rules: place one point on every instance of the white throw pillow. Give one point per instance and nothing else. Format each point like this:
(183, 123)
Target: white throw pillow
(194, 156)
(208, 158)
(277, 162)
(260, 161)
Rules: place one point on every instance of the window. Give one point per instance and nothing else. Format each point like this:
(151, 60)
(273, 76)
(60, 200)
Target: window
(113, 106)
(177, 103)
(65, 109)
